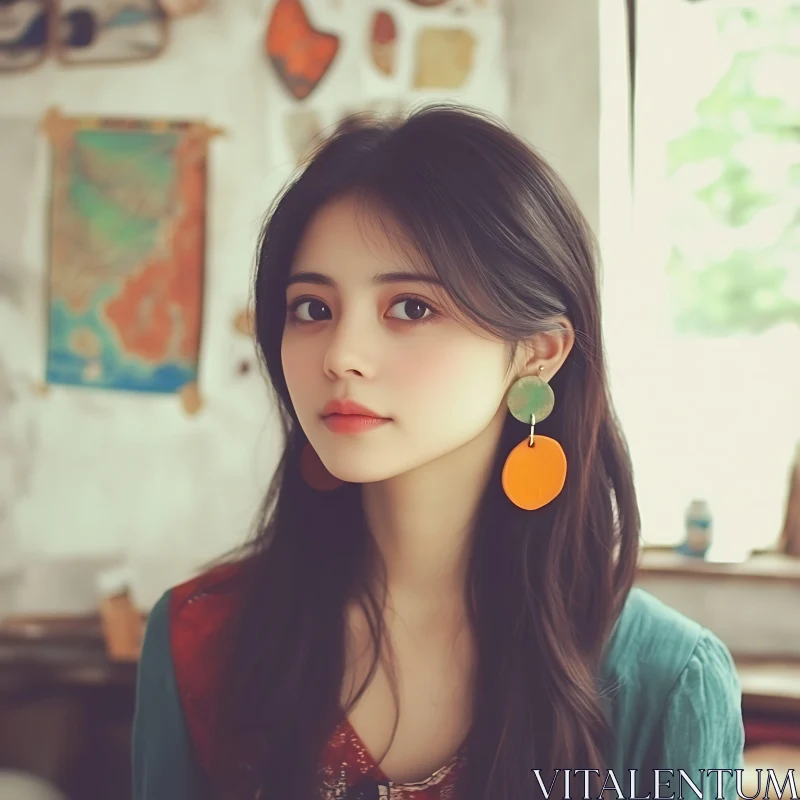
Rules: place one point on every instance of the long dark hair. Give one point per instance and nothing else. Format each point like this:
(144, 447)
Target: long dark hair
(545, 587)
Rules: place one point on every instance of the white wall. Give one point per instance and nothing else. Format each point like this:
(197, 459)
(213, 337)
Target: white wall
(554, 73)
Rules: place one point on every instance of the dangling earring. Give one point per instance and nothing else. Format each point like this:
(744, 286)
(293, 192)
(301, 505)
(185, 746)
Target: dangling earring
(315, 473)
(536, 469)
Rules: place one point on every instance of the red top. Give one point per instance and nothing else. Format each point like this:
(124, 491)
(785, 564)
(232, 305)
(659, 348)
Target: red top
(346, 761)
(197, 609)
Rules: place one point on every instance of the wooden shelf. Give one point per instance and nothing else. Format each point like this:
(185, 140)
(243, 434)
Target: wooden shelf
(772, 686)
(765, 566)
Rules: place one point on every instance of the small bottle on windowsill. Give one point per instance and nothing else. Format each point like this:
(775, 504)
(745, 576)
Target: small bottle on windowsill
(698, 530)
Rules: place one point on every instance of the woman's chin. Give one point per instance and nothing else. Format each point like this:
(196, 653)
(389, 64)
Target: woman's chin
(355, 473)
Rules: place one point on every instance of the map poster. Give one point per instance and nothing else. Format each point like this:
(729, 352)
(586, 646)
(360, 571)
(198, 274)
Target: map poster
(126, 252)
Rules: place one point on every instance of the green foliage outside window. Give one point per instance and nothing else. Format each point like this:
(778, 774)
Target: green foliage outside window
(734, 182)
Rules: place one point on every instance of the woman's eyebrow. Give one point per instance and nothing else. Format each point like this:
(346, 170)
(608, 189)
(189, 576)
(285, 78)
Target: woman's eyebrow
(380, 279)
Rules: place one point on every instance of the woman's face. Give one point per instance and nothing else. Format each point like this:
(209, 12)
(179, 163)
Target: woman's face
(388, 346)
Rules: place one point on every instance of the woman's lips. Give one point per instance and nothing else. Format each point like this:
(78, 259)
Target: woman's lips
(352, 423)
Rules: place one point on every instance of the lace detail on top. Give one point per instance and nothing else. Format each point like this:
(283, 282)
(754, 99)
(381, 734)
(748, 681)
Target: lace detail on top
(347, 763)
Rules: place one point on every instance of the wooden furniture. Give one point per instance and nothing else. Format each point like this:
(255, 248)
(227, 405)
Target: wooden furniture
(790, 536)
(778, 757)
(770, 687)
(65, 707)
(771, 710)
(769, 567)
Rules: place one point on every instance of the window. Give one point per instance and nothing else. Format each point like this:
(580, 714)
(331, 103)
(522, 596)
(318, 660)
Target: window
(704, 308)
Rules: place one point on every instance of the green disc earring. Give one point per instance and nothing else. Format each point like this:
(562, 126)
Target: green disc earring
(536, 469)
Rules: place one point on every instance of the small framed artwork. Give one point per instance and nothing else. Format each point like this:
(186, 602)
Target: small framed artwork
(109, 31)
(24, 33)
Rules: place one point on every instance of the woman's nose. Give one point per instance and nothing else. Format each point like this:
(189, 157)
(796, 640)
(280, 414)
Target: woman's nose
(351, 348)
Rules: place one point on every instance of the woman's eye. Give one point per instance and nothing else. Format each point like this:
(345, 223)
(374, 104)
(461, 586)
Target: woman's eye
(297, 305)
(412, 307)
(414, 310)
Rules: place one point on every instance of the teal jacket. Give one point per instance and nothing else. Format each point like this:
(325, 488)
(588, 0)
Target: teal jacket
(670, 690)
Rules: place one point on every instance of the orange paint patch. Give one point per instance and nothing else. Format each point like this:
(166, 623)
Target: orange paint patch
(157, 315)
(140, 315)
(300, 54)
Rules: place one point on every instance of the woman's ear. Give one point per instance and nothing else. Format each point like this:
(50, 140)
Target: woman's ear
(548, 349)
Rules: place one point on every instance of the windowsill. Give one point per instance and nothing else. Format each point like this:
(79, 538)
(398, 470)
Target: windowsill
(760, 566)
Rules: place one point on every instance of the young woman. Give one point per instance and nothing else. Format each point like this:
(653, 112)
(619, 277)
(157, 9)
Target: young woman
(438, 601)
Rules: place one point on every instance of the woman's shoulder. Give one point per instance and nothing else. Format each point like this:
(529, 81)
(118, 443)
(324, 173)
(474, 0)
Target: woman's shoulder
(654, 651)
(193, 615)
(177, 671)
(193, 611)
(671, 692)
(195, 607)
(214, 586)
(198, 611)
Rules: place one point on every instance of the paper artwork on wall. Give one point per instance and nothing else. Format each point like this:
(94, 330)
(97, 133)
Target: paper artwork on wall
(443, 58)
(24, 26)
(300, 54)
(302, 128)
(110, 31)
(383, 42)
(126, 252)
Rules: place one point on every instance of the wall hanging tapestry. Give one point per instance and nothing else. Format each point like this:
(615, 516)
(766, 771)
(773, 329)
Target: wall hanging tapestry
(126, 252)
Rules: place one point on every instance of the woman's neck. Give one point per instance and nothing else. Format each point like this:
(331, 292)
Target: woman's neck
(422, 520)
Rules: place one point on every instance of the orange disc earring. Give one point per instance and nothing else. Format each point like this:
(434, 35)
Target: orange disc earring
(536, 469)
(315, 473)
